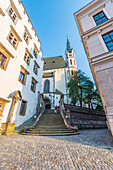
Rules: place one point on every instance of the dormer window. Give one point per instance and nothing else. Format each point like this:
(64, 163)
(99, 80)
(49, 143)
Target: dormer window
(100, 18)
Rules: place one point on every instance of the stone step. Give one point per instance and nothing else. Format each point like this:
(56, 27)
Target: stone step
(50, 124)
(58, 126)
(51, 134)
(48, 131)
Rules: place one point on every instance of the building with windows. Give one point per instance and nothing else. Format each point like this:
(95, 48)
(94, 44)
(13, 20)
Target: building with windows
(56, 74)
(21, 63)
(95, 23)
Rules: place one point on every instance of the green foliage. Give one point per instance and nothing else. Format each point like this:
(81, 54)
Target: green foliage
(81, 89)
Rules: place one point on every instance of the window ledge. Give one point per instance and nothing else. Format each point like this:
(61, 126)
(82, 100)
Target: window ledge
(101, 26)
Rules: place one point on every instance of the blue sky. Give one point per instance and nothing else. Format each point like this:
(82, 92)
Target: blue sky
(53, 20)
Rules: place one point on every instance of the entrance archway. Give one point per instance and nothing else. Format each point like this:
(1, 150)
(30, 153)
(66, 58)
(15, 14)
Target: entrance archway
(47, 103)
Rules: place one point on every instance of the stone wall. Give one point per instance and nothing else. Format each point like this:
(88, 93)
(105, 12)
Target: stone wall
(85, 118)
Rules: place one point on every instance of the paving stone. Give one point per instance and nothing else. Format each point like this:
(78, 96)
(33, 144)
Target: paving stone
(91, 150)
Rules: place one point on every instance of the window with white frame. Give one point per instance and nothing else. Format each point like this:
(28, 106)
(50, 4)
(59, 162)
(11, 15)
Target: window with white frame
(26, 37)
(35, 53)
(35, 68)
(100, 18)
(33, 84)
(27, 58)
(108, 39)
(13, 40)
(12, 14)
(2, 60)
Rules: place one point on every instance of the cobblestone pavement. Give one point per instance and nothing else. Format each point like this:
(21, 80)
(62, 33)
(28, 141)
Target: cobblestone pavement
(91, 150)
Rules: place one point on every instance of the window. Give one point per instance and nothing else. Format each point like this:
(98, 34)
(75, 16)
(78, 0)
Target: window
(46, 86)
(23, 108)
(108, 39)
(33, 84)
(23, 75)
(100, 18)
(13, 37)
(35, 68)
(72, 72)
(53, 61)
(35, 53)
(12, 40)
(26, 37)
(2, 60)
(5, 56)
(74, 62)
(27, 59)
(12, 14)
(71, 61)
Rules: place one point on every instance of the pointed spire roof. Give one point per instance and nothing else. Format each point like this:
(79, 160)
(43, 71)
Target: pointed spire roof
(68, 45)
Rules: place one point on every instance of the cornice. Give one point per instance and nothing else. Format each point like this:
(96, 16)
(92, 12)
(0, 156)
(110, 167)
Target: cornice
(89, 6)
(98, 28)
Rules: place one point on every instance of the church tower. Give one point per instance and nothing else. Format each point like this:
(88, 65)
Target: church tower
(70, 58)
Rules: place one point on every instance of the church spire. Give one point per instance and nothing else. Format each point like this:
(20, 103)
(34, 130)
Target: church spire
(68, 45)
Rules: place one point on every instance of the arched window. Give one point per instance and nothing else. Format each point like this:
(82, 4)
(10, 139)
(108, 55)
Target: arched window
(70, 61)
(72, 72)
(46, 86)
(74, 62)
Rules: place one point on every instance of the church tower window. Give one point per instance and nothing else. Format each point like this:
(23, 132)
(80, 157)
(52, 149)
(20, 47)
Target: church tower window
(74, 62)
(71, 61)
(47, 86)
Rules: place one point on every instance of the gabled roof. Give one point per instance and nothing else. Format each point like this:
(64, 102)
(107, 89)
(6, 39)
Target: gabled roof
(54, 63)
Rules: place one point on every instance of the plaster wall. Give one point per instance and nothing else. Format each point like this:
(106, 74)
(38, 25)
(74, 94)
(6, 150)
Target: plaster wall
(9, 78)
(87, 20)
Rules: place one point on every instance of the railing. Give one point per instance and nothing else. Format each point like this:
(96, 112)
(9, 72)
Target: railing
(33, 120)
(66, 116)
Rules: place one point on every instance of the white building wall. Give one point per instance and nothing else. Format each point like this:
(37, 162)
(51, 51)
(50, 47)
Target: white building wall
(87, 17)
(101, 58)
(9, 78)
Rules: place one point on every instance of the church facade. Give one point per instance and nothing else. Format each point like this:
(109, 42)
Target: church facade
(56, 74)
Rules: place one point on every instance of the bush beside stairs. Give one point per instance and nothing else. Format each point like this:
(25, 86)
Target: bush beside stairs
(50, 124)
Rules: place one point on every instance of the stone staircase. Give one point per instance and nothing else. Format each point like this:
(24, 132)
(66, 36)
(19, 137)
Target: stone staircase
(50, 124)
